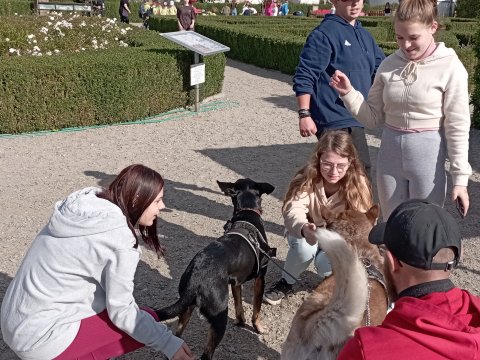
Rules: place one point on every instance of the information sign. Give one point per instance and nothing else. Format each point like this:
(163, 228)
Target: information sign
(197, 74)
(196, 42)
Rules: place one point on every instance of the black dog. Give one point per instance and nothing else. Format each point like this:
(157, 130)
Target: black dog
(237, 256)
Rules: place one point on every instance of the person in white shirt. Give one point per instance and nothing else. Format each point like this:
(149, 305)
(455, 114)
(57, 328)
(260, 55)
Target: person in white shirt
(420, 95)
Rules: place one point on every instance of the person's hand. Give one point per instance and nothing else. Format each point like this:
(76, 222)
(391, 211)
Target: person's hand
(183, 353)
(460, 194)
(341, 83)
(308, 232)
(307, 127)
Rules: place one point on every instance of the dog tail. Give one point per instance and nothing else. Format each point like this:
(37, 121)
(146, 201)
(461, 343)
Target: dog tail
(322, 324)
(174, 310)
(351, 290)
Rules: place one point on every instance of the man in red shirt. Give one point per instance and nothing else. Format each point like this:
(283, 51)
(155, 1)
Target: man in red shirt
(432, 319)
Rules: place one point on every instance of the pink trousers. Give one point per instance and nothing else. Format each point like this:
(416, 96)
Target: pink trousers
(99, 339)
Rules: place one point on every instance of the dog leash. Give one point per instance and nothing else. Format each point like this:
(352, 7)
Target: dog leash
(277, 265)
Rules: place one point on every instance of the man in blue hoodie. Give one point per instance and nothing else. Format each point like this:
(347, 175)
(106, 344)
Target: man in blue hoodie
(338, 43)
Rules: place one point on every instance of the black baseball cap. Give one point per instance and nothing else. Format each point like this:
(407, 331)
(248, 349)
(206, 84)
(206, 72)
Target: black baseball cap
(415, 231)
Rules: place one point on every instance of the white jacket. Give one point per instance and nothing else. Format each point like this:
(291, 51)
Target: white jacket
(81, 263)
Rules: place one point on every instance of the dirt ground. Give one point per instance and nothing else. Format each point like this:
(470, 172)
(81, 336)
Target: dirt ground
(251, 131)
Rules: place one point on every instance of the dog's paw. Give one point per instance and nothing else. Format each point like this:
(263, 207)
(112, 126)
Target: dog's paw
(259, 328)
(240, 322)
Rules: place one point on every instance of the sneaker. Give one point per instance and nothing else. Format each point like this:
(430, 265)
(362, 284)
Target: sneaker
(277, 292)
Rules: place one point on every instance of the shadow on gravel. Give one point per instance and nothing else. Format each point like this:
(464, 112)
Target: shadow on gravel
(258, 71)
(276, 164)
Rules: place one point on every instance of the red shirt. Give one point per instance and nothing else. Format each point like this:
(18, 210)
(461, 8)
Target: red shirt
(440, 325)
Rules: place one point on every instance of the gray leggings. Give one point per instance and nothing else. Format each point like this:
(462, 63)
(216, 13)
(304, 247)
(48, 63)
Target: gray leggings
(411, 166)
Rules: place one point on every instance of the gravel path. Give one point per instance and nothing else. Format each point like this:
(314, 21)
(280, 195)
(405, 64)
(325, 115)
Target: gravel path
(251, 131)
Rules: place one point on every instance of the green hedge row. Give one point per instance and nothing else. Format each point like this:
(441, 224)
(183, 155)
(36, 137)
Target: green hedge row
(100, 87)
(19, 7)
(286, 36)
(476, 92)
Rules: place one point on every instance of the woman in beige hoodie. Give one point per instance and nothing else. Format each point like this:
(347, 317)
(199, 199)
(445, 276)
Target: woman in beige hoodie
(333, 178)
(420, 95)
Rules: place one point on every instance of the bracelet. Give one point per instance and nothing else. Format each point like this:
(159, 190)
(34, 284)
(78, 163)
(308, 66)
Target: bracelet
(303, 113)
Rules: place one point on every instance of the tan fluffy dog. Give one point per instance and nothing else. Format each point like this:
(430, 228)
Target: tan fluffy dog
(344, 301)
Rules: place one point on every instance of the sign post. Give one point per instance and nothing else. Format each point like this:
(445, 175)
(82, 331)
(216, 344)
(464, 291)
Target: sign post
(200, 45)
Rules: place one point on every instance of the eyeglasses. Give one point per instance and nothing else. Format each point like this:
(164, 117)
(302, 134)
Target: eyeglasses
(328, 166)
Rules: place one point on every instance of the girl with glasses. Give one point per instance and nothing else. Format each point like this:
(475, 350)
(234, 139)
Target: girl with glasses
(333, 178)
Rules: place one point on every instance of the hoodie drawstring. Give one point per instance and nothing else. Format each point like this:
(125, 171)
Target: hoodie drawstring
(409, 72)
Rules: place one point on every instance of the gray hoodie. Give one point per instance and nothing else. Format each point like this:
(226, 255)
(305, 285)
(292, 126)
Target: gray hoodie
(81, 263)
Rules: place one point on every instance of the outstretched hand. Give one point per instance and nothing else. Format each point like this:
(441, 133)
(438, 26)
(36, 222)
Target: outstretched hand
(308, 231)
(183, 353)
(341, 83)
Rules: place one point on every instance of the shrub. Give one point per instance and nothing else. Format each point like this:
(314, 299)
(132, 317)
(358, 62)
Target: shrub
(476, 92)
(468, 8)
(90, 87)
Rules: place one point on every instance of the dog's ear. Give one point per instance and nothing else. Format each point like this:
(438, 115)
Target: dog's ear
(372, 213)
(227, 188)
(265, 188)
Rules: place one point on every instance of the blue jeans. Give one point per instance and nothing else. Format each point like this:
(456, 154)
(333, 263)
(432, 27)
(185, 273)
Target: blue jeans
(299, 257)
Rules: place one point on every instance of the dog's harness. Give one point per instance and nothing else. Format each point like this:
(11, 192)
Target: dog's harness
(374, 274)
(256, 241)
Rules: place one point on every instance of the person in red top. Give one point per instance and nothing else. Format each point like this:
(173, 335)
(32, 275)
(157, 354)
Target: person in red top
(432, 319)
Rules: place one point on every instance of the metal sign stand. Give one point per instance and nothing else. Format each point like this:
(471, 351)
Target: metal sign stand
(200, 45)
(196, 60)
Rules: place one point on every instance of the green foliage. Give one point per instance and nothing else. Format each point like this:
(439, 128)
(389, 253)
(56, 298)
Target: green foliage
(468, 9)
(148, 77)
(12, 7)
(476, 92)
(59, 33)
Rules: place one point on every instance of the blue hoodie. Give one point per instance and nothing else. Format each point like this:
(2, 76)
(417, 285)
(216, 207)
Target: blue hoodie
(335, 45)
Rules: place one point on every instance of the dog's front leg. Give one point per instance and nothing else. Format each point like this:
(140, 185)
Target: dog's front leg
(258, 289)
(237, 298)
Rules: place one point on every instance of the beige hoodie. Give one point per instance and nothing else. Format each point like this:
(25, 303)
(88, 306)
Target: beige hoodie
(306, 207)
(425, 94)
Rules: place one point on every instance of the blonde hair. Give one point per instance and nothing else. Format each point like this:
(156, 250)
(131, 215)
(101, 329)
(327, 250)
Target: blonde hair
(354, 184)
(423, 11)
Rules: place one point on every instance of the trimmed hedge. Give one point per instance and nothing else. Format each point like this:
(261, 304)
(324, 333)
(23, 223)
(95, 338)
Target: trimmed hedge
(19, 7)
(476, 92)
(100, 87)
(283, 37)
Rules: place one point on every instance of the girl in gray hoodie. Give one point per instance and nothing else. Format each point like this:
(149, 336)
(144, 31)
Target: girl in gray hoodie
(72, 296)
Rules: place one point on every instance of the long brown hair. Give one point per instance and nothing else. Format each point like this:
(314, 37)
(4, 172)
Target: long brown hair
(423, 11)
(354, 185)
(133, 190)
